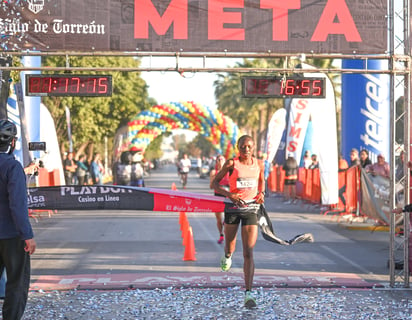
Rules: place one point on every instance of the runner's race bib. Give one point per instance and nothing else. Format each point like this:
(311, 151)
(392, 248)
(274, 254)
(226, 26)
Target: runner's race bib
(246, 183)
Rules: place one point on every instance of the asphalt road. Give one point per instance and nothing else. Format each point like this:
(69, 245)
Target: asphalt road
(117, 249)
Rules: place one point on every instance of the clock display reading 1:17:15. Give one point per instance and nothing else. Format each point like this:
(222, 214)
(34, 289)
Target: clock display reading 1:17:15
(280, 87)
(68, 85)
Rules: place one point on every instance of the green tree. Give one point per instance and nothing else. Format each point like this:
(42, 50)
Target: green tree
(180, 144)
(153, 151)
(93, 118)
(199, 147)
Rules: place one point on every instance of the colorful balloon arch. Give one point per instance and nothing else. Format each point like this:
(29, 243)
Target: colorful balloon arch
(217, 128)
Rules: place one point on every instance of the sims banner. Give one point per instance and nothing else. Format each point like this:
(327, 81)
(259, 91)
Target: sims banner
(294, 26)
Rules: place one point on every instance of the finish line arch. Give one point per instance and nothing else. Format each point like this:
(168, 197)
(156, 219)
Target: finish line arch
(217, 128)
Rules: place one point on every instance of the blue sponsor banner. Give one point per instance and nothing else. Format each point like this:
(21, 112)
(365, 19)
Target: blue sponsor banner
(366, 109)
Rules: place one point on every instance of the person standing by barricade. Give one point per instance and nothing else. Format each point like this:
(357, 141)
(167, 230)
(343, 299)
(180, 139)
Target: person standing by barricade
(364, 158)
(291, 176)
(220, 160)
(315, 162)
(247, 193)
(381, 167)
(69, 166)
(16, 233)
(354, 158)
(307, 160)
(81, 170)
(96, 169)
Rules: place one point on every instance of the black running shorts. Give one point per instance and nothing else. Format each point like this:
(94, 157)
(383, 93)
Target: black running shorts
(246, 215)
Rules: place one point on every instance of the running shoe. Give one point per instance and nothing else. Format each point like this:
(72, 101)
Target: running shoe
(250, 302)
(226, 263)
(220, 241)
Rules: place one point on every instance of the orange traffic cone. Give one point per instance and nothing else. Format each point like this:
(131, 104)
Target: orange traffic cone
(174, 186)
(185, 237)
(182, 219)
(185, 227)
(190, 251)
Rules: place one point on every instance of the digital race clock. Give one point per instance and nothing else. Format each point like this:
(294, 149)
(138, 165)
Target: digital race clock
(68, 85)
(282, 87)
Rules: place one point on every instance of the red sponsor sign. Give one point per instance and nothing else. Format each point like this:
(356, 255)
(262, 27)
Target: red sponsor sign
(177, 201)
(254, 26)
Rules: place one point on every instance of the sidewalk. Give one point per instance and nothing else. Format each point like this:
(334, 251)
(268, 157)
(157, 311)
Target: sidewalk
(233, 278)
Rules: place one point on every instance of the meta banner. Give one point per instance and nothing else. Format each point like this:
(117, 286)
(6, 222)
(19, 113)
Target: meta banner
(366, 109)
(293, 26)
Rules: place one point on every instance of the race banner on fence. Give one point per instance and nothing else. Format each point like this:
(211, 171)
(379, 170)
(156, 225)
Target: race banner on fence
(375, 197)
(299, 26)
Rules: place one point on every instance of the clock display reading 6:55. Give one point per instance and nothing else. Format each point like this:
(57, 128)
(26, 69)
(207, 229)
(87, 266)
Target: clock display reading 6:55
(282, 87)
(68, 85)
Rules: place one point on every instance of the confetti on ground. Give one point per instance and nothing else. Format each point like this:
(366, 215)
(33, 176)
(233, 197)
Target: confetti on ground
(208, 303)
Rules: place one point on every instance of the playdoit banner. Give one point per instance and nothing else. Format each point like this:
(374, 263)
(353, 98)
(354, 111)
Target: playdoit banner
(299, 26)
(107, 197)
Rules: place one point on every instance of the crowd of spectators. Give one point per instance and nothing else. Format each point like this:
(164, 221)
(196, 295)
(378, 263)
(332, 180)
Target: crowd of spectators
(81, 171)
(361, 159)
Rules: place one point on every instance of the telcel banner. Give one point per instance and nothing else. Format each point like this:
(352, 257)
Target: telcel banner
(292, 26)
(365, 109)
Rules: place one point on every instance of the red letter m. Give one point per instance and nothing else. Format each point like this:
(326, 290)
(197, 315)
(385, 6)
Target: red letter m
(295, 132)
(145, 12)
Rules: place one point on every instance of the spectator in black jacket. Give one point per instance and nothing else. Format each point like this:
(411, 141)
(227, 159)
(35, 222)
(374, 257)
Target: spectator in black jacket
(16, 234)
